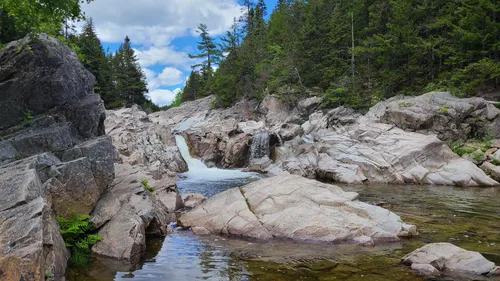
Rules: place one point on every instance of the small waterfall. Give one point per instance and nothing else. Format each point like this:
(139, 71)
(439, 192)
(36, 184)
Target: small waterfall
(260, 146)
(198, 171)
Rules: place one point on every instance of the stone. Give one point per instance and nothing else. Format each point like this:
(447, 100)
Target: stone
(446, 256)
(8, 153)
(449, 117)
(495, 272)
(43, 75)
(425, 270)
(495, 156)
(201, 231)
(72, 188)
(30, 241)
(492, 170)
(193, 200)
(250, 127)
(124, 237)
(290, 131)
(308, 105)
(295, 208)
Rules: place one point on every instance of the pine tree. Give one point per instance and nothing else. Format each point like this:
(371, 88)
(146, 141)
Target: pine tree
(129, 78)
(209, 52)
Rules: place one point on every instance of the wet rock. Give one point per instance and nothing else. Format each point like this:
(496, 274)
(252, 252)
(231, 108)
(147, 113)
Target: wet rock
(200, 231)
(425, 270)
(193, 200)
(492, 170)
(448, 257)
(296, 208)
(251, 127)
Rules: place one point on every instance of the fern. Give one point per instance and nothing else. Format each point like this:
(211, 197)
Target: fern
(76, 232)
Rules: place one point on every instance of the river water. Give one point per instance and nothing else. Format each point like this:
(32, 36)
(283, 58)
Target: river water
(467, 217)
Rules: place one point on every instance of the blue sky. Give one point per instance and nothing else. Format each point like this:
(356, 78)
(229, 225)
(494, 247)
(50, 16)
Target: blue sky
(163, 34)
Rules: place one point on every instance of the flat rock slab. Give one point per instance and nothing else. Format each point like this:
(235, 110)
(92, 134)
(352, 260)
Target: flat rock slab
(448, 257)
(295, 208)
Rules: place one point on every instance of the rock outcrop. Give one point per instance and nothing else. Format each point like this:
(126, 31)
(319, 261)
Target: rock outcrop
(295, 208)
(446, 257)
(340, 145)
(449, 117)
(55, 159)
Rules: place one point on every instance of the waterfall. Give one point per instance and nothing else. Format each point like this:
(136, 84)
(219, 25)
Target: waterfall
(260, 146)
(198, 171)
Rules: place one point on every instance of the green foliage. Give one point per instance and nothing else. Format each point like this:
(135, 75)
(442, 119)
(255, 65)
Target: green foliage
(444, 109)
(495, 162)
(146, 185)
(405, 104)
(49, 274)
(460, 148)
(478, 156)
(17, 156)
(77, 234)
(497, 105)
(28, 115)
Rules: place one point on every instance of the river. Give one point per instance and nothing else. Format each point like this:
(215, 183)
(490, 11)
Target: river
(467, 217)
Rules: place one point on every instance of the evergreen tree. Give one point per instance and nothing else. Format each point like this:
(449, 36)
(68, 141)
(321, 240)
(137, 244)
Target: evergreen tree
(209, 53)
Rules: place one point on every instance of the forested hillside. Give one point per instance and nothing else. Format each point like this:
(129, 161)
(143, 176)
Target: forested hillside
(354, 52)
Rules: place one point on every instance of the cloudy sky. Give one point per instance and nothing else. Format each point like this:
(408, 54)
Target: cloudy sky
(163, 32)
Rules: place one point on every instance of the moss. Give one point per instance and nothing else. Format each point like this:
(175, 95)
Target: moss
(444, 109)
(495, 162)
(405, 104)
(146, 185)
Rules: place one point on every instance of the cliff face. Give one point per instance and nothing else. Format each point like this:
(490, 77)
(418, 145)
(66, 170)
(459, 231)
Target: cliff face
(54, 157)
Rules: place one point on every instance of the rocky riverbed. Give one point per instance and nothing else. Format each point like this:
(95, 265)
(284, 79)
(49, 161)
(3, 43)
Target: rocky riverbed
(61, 153)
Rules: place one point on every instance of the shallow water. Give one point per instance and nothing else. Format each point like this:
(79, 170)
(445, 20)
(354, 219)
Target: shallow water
(467, 217)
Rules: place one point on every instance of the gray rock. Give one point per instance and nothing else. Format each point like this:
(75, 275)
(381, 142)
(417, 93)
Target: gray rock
(494, 272)
(425, 270)
(447, 116)
(193, 200)
(30, 241)
(124, 237)
(73, 188)
(44, 76)
(290, 131)
(307, 106)
(446, 256)
(492, 170)
(8, 153)
(292, 207)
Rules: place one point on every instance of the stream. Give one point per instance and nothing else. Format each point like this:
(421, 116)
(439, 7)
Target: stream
(467, 217)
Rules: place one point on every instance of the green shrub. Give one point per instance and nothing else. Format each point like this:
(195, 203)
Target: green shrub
(28, 115)
(77, 234)
(405, 104)
(460, 148)
(444, 109)
(497, 104)
(478, 156)
(495, 162)
(146, 185)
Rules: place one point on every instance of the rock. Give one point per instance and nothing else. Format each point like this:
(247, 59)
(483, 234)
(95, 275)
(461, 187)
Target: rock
(201, 231)
(494, 272)
(425, 270)
(492, 170)
(72, 188)
(127, 207)
(495, 156)
(292, 207)
(288, 132)
(44, 76)
(447, 116)
(235, 151)
(30, 241)
(193, 200)
(448, 257)
(124, 237)
(251, 127)
(307, 106)
(7, 153)
(139, 141)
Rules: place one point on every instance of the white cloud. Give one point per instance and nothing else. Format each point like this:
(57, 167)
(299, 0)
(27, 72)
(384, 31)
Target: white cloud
(163, 97)
(158, 22)
(163, 56)
(170, 76)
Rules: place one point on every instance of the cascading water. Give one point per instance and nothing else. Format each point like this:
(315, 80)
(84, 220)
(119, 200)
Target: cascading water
(260, 146)
(200, 174)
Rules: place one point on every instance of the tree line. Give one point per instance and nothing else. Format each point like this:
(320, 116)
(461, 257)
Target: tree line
(354, 52)
(119, 78)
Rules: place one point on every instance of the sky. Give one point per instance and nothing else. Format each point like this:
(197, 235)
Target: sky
(163, 33)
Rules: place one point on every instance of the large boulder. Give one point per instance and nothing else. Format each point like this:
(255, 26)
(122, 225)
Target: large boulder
(42, 76)
(129, 207)
(30, 241)
(450, 258)
(447, 116)
(295, 208)
(54, 160)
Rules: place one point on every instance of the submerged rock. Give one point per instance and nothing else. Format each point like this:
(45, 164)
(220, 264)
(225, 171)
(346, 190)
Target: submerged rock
(295, 208)
(450, 258)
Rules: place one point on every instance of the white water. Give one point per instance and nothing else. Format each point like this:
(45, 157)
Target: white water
(199, 171)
